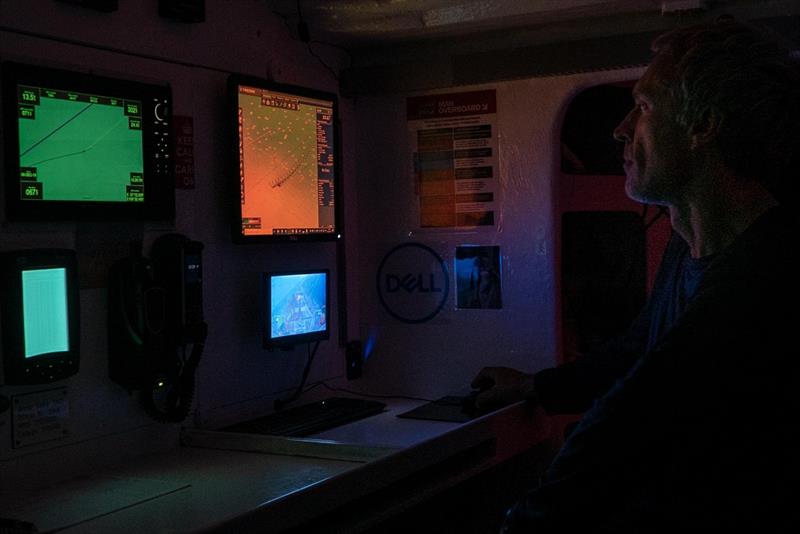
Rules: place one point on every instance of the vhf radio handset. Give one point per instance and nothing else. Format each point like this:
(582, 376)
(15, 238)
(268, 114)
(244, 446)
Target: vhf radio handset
(155, 313)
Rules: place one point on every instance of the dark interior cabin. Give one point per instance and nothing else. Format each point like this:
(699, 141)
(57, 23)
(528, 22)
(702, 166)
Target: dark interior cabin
(214, 211)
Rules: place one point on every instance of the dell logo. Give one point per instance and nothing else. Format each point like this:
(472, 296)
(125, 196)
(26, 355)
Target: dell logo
(413, 283)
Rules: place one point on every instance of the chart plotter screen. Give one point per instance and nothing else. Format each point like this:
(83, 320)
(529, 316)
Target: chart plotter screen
(79, 147)
(286, 163)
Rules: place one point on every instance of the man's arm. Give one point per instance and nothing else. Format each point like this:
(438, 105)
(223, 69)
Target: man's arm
(568, 388)
(572, 387)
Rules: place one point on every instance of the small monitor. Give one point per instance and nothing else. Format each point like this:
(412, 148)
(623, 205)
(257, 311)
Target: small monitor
(40, 315)
(297, 308)
(79, 146)
(283, 162)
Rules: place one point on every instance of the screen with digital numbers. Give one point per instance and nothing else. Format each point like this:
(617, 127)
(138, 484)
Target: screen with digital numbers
(285, 162)
(76, 146)
(81, 146)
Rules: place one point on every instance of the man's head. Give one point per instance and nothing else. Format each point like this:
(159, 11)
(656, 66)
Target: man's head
(720, 92)
(656, 145)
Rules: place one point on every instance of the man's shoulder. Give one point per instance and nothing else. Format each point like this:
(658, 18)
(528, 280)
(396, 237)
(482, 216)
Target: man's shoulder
(769, 243)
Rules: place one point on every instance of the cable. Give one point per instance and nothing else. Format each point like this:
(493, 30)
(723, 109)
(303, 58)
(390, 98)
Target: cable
(322, 62)
(175, 405)
(368, 395)
(304, 36)
(302, 27)
(112, 49)
(280, 403)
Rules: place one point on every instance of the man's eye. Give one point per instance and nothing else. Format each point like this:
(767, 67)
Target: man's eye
(642, 106)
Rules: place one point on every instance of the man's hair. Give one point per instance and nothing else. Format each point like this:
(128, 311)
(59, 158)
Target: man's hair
(749, 81)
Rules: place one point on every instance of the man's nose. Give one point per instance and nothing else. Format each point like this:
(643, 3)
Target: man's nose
(623, 130)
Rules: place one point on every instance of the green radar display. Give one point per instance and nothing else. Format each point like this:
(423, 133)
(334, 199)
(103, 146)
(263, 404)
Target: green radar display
(79, 147)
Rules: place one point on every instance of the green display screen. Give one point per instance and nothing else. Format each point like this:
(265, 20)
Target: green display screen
(44, 311)
(79, 147)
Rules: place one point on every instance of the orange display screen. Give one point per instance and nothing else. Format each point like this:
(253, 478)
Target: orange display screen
(286, 163)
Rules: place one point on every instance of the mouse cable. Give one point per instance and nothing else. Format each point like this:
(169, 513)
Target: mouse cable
(368, 395)
(280, 403)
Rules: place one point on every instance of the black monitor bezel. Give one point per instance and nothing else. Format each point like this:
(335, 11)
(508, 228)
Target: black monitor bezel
(233, 83)
(288, 342)
(42, 368)
(159, 181)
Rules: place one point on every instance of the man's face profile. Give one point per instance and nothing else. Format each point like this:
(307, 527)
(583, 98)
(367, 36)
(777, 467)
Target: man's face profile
(656, 146)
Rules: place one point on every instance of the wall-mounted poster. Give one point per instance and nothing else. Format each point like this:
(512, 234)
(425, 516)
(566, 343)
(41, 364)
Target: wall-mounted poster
(455, 162)
(478, 280)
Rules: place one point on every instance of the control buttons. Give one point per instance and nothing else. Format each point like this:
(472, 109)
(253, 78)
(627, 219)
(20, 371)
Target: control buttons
(47, 370)
(161, 134)
(161, 111)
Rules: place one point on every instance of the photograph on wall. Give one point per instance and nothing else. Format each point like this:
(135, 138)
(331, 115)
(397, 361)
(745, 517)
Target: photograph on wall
(454, 155)
(478, 277)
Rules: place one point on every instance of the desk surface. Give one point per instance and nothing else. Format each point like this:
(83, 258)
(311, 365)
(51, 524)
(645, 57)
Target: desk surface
(223, 487)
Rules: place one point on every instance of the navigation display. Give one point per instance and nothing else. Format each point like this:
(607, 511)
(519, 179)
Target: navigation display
(79, 147)
(286, 161)
(85, 147)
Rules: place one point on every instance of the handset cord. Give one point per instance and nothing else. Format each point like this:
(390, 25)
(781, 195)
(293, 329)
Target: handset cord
(179, 399)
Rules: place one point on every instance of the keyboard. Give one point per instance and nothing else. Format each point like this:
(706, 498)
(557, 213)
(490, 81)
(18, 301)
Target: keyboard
(310, 418)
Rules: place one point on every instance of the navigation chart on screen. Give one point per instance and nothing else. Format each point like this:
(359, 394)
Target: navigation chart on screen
(286, 164)
(79, 147)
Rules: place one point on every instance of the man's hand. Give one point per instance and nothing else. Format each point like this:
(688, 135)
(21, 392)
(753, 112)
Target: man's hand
(501, 386)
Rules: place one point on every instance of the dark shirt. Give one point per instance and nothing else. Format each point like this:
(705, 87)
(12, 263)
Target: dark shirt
(678, 287)
(571, 388)
(694, 432)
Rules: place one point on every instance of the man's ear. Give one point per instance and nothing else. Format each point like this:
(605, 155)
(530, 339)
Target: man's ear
(704, 131)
